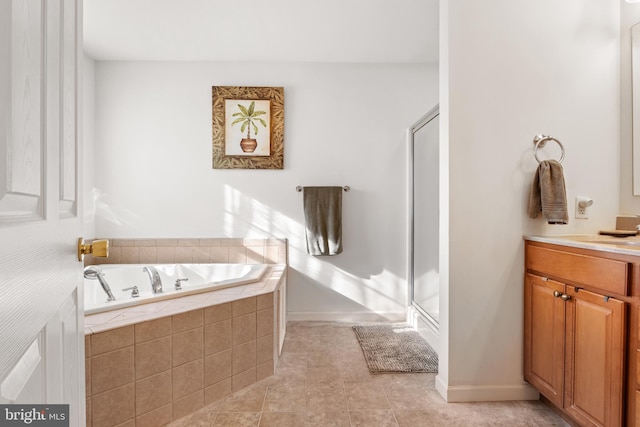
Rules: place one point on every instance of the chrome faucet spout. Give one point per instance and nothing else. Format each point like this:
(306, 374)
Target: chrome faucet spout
(154, 277)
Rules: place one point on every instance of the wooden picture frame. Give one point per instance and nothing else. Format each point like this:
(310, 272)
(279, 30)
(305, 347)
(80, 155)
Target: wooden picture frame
(248, 127)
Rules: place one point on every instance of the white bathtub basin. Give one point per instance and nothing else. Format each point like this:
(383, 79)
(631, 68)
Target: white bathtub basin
(200, 278)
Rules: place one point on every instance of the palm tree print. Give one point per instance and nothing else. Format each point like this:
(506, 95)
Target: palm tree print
(248, 117)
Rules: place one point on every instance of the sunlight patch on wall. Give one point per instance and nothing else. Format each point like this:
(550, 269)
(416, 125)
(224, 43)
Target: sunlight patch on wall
(247, 216)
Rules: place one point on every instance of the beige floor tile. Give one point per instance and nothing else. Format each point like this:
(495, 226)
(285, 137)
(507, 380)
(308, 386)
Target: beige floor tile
(539, 413)
(242, 405)
(403, 380)
(288, 376)
(427, 380)
(292, 360)
(327, 419)
(377, 418)
(322, 380)
(204, 417)
(296, 328)
(197, 419)
(237, 419)
(282, 419)
(346, 343)
(324, 377)
(408, 418)
(357, 372)
(346, 355)
(345, 331)
(285, 398)
(321, 343)
(365, 396)
(320, 329)
(414, 418)
(411, 397)
(326, 399)
(255, 390)
(323, 359)
(500, 414)
(212, 409)
(295, 345)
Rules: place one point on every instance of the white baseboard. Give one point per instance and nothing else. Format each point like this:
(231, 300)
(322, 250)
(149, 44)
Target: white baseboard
(425, 328)
(346, 317)
(486, 393)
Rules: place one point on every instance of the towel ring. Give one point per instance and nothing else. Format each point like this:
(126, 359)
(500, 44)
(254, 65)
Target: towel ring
(541, 140)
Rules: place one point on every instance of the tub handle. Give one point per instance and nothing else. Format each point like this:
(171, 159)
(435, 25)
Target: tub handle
(134, 291)
(179, 285)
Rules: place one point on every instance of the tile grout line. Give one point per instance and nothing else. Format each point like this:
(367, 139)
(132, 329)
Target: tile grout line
(342, 379)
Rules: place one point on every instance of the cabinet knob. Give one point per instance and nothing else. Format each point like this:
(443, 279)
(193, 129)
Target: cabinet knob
(565, 297)
(557, 294)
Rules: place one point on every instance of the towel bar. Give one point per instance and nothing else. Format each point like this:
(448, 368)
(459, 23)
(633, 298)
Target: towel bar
(345, 188)
(540, 140)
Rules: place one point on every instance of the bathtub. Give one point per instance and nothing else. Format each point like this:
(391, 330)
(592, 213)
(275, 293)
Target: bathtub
(200, 278)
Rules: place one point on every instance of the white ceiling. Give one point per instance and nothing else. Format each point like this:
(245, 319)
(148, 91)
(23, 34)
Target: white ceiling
(398, 31)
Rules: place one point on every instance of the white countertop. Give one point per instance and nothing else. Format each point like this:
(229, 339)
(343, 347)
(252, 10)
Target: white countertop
(619, 245)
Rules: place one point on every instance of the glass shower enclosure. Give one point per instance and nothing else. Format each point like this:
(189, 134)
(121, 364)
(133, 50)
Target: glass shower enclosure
(424, 278)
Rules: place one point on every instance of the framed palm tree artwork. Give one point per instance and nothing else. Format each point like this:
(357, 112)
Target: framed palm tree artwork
(248, 127)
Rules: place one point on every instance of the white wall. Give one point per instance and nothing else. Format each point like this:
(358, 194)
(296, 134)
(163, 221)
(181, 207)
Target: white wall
(511, 69)
(88, 113)
(344, 125)
(629, 16)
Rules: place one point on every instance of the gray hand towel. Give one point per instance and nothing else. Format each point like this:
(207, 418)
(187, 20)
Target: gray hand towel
(323, 220)
(548, 193)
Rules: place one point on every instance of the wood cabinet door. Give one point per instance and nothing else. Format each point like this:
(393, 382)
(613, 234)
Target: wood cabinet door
(544, 332)
(594, 358)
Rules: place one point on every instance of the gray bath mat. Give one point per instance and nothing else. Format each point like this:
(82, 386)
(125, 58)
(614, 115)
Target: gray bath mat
(395, 348)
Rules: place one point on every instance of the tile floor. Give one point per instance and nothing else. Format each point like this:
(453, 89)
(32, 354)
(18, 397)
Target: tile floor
(322, 380)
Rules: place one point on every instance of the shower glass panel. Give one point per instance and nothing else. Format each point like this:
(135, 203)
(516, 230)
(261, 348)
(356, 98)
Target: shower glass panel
(424, 178)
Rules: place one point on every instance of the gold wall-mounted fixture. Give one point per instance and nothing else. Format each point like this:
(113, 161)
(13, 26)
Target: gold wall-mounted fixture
(99, 248)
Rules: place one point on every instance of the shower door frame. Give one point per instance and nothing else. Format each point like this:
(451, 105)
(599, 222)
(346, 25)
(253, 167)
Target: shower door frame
(414, 309)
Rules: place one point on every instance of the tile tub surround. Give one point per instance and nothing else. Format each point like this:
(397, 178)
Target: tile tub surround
(197, 250)
(152, 363)
(150, 373)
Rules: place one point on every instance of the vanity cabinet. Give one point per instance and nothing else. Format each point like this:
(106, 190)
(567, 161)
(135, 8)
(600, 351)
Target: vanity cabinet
(544, 337)
(576, 332)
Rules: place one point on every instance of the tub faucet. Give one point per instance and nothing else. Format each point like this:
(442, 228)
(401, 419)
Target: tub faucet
(94, 273)
(154, 276)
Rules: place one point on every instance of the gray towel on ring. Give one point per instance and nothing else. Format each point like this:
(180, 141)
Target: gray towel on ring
(323, 220)
(548, 193)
